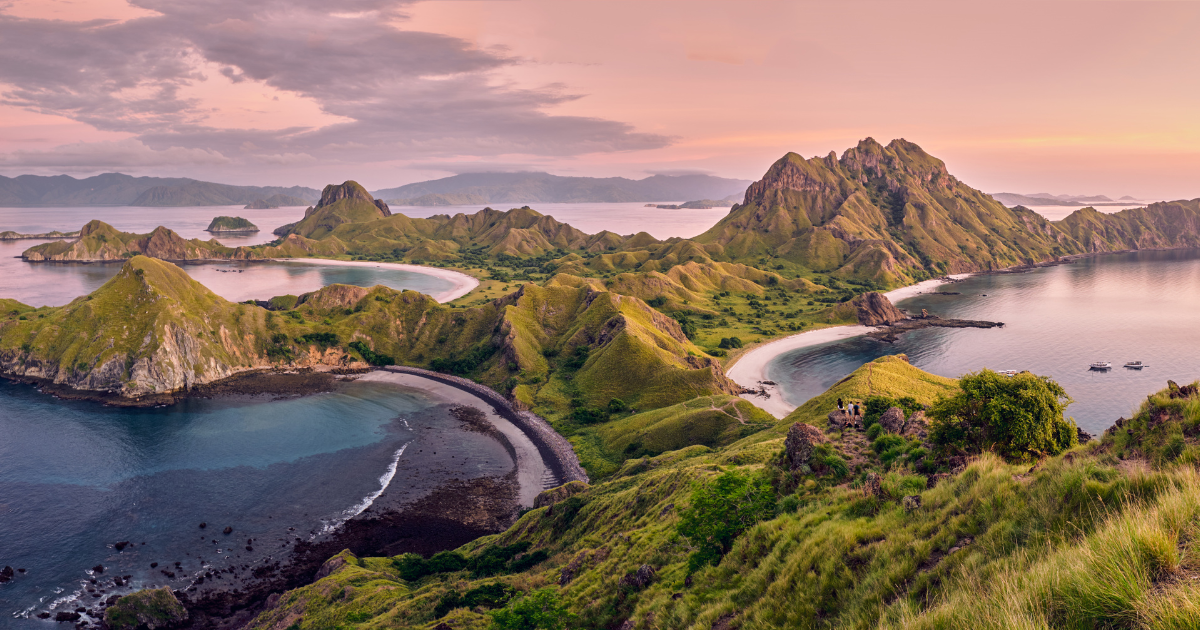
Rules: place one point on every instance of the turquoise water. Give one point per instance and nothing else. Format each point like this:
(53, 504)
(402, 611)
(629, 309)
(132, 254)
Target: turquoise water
(1058, 320)
(77, 477)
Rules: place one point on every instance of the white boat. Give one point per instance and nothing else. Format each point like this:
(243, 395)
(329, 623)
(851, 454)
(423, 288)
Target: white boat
(1101, 365)
(1135, 365)
(1008, 372)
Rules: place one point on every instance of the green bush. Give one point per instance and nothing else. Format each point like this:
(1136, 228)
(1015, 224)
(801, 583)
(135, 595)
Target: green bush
(324, 339)
(413, 567)
(730, 343)
(487, 596)
(540, 610)
(370, 356)
(1019, 417)
(720, 511)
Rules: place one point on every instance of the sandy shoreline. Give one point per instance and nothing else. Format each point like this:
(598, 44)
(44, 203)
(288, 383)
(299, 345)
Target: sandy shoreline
(531, 468)
(751, 367)
(463, 283)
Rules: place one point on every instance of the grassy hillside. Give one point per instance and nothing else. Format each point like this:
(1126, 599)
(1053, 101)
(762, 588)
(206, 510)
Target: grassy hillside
(1101, 536)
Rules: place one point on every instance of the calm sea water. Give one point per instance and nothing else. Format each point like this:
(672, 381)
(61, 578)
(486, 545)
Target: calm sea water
(1122, 307)
(76, 477)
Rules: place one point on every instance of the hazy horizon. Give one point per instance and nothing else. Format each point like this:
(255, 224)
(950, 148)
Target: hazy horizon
(1063, 97)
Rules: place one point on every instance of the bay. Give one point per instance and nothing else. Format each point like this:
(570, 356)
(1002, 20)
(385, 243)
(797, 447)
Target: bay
(77, 477)
(1058, 320)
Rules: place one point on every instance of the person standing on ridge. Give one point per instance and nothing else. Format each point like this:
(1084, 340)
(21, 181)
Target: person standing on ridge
(841, 407)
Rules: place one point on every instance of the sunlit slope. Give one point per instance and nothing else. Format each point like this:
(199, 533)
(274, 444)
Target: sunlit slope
(1097, 537)
(150, 329)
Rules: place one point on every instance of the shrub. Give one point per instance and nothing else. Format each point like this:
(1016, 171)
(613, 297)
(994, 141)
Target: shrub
(466, 364)
(540, 610)
(323, 339)
(370, 356)
(1020, 417)
(413, 567)
(657, 302)
(729, 343)
(488, 596)
(720, 511)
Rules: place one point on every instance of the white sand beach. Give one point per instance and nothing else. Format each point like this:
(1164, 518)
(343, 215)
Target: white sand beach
(463, 284)
(530, 466)
(751, 368)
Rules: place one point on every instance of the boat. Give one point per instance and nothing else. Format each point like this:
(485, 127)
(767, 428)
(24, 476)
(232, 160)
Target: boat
(1101, 365)
(1136, 365)
(1008, 372)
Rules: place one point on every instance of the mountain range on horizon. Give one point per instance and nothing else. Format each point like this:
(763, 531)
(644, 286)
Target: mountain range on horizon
(117, 189)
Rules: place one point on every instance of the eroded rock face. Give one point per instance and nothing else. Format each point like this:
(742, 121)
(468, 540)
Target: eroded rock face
(892, 420)
(801, 440)
(874, 309)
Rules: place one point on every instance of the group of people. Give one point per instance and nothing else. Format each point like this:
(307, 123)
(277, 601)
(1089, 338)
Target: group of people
(854, 409)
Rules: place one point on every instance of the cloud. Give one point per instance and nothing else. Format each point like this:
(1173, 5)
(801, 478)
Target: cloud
(405, 94)
(675, 172)
(459, 168)
(111, 154)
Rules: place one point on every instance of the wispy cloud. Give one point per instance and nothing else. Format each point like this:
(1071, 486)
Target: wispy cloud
(401, 94)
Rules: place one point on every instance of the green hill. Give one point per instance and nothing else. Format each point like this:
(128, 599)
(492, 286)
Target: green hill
(1100, 537)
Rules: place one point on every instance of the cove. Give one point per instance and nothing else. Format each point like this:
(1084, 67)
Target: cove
(76, 478)
(1116, 307)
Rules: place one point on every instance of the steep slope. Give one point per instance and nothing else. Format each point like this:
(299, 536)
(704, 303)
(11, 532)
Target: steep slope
(1099, 537)
(888, 214)
(151, 329)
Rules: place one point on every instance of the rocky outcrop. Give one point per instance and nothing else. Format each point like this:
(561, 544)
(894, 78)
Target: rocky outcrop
(561, 493)
(892, 420)
(100, 242)
(874, 309)
(150, 609)
(802, 439)
(350, 190)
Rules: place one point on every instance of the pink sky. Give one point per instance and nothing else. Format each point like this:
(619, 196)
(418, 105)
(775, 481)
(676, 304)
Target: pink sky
(1053, 96)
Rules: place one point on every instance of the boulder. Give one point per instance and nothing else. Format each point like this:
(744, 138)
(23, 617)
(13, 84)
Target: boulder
(839, 419)
(874, 309)
(1084, 436)
(801, 440)
(6, 574)
(640, 579)
(150, 609)
(911, 502)
(917, 426)
(892, 420)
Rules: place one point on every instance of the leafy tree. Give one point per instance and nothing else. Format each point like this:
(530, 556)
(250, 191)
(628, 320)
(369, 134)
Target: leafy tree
(686, 325)
(540, 610)
(720, 511)
(1019, 417)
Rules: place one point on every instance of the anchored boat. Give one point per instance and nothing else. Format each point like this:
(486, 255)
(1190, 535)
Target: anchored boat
(1136, 365)
(1101, 366)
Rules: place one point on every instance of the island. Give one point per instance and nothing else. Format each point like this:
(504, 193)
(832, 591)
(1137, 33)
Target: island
(231, 225)
(9, 235)
(702, 204)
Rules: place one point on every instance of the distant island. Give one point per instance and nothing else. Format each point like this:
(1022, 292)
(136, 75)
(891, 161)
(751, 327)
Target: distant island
(524, 188)
(1046, 199)
(116, 189)
(276, 201)
(9, 235)
(231, 225)
(703, 204)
